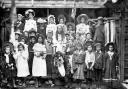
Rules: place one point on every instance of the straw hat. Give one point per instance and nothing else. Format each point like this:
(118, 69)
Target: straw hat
(40, 20)
(82, 16)
(61, 17)
(51, 16)
(27, 12)
(8, 44)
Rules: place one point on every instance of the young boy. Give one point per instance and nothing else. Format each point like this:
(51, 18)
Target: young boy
(98, 66)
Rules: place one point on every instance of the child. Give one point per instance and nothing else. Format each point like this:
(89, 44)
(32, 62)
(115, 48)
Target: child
(89, 61)
(49, 58)
(82, 26)
(98, 66)
(78, 64)
(9, 66)
(62, 20)
(32, 41)
(21, 58)
(51, 26)
(39, 62)
(60, 39)
(110, 62)
(30, 23)
(87, 40)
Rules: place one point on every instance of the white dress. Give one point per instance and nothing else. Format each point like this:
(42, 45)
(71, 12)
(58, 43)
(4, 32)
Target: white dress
(29, 24)
(39, 62)
(83, 29)
(22, 63)
(51, 28)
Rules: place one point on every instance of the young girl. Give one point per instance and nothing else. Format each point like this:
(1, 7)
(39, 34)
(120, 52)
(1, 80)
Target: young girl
(21, 58)
(62, 20)
(60, 39)
(30, 23)
(78, 63)
(82, 26)
(39, 61)
(32, 41)
(9, 66)
(110, 62)
(89, 61)
(51, 26)
(49, 58)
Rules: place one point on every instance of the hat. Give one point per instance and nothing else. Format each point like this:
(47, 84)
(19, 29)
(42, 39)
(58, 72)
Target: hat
(70, 24)
(40, 20)
(18, 32)
(8, 44)
(100, 18)
(20, 15)
(89, 43)
(32, 30)
(27, 12)
(51, 16)
(82, 16)
(97, 44)
(61, 17)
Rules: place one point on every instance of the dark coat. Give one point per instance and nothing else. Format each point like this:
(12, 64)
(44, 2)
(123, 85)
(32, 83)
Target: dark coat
(99, 60)
(99, 34)
(19, 25)
(6, 69)
(110, 66)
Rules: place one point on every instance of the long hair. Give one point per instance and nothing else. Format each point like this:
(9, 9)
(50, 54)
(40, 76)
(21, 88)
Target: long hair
(62, 33)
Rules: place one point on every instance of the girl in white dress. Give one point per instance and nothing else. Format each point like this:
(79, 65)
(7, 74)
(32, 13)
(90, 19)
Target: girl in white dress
(30, 23)
(21, 57)
(51, 27)
(82, 28)
(39, 62)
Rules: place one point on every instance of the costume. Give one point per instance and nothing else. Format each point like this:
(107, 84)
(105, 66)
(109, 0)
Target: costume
(82, 28)
(30, 23)
(39, 61)
(51, 27)
(98, 66)
(49, 58)
(21, 58)
(110, 63)
(89, 61)
(78, 65)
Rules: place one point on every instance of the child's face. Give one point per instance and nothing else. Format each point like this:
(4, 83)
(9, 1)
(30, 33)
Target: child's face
(89, 48)
(30, 16)
(23, 40)
(51, 20)
(61, 21)
(110, 48)
(33, 40)
(88, 36)
(26, 34)
(16, 36)
(98, 48)
(40, 40)
(7, 50)
(82, 20)
(20, 48)
(70, 28)
(19, 18)
(59, 29)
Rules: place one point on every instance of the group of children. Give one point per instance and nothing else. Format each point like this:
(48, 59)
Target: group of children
(58, 51)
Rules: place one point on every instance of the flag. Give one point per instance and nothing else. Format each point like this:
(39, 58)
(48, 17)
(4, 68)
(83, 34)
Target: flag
(73, 13)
